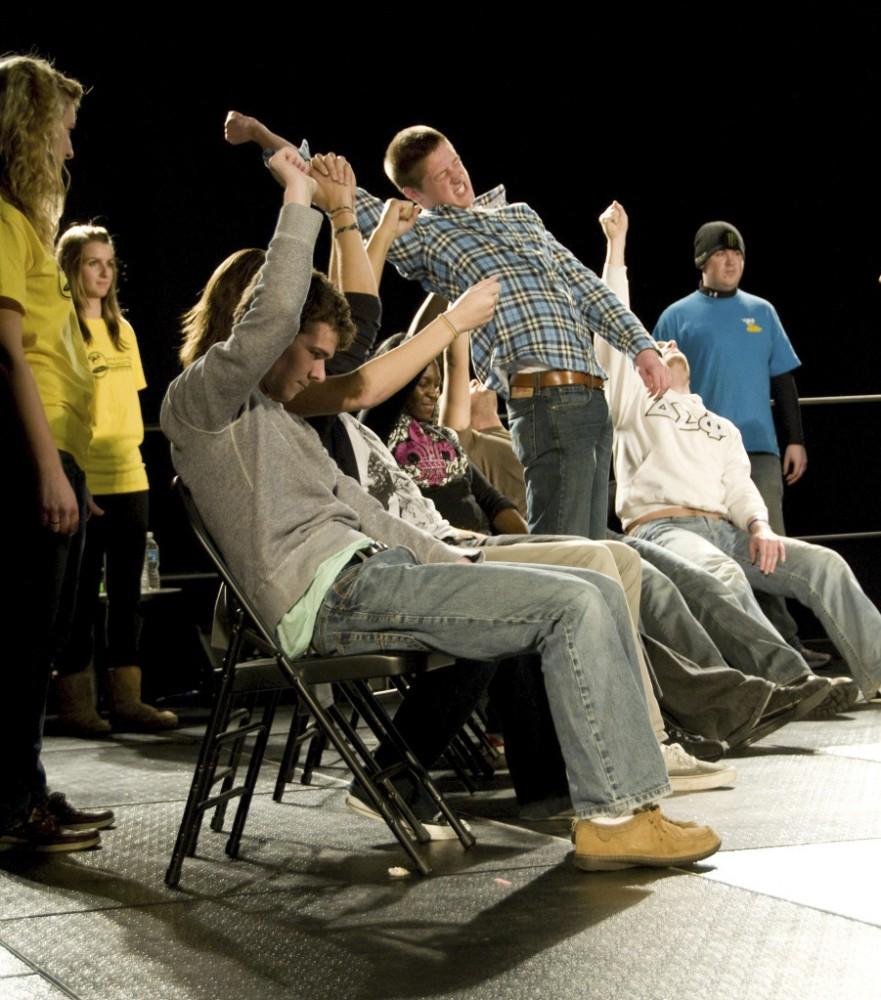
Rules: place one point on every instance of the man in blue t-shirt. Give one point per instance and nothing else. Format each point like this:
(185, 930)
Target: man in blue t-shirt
(740, 358)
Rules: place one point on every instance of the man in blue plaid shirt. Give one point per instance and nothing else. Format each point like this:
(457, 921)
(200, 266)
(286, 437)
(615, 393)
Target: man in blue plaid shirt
(538, 350)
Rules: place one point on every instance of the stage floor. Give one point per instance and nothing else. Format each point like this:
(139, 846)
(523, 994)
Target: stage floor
(789, 908)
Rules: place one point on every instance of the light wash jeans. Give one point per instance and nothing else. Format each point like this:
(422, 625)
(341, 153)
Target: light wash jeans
(576, 619)
(767, 473)
(816, 576)
(747, 642)
(563, 438)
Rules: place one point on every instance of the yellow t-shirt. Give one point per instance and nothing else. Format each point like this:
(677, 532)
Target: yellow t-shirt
(53, 344)
(114, 464)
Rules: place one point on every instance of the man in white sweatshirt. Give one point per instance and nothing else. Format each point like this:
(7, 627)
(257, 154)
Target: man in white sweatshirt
(684, 483)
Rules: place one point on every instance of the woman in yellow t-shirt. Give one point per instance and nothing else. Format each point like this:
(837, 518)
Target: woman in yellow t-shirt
(117, 479)
(45, 393)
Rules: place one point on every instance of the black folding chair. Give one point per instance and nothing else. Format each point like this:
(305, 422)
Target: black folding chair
(254, 666)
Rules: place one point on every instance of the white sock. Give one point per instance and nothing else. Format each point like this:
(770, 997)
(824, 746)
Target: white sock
(610, 820)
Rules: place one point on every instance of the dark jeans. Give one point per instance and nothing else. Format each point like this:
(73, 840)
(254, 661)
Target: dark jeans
(562, 436)
(120, 537)
(40, 592)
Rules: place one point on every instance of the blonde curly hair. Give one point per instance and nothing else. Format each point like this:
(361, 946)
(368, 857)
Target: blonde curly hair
(33, 98)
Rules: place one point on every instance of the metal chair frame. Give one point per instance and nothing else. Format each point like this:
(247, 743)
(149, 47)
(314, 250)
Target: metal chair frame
(255, 667)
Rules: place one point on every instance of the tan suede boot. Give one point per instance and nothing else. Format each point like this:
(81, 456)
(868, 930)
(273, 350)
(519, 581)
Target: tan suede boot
(77, 715)
(128, 713)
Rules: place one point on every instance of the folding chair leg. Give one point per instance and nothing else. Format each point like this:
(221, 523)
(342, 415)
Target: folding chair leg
(350, 759)
(300, 727)
(314, 753)
(371, 708)
(188, 831)
(257, 755)
(232, 766)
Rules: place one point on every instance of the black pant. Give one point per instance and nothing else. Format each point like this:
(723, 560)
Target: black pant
(119, 537)
(39, 593)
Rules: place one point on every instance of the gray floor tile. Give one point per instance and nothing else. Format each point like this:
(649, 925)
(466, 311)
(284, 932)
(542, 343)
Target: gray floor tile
(854, 727)
(790, 799)
(549, 932)
(787, 911)
(311, 835)
(145, 769)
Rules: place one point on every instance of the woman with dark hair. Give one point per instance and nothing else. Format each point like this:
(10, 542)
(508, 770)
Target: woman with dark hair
(432, 456)
(116, 477)
(47, 393)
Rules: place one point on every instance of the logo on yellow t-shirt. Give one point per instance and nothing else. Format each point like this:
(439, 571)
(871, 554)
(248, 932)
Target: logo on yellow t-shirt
(101, 364)
(751, 325)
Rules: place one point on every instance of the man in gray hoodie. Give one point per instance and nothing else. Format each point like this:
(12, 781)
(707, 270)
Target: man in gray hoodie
(328, 567)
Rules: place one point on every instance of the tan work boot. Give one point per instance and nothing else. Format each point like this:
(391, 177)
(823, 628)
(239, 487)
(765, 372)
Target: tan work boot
(648, 839)
(128, 712)
(77, 715)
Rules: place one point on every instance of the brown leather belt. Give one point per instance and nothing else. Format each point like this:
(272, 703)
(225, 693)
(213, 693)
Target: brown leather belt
(656, 515)
(526, 383)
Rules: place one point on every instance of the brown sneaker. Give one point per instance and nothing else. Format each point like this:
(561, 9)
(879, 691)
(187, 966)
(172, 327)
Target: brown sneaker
(647, 839)
(77, 819)
(41, 832)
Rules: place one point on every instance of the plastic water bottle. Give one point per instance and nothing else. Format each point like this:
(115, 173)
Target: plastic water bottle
(150, 574)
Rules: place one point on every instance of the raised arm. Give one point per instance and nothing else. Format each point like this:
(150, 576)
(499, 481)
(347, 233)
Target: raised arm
(335, 192)
(239, 129)
(455, 398)
(211, 391)
(375, 381)
(624, 383)
(407, 251)
(397, 218)
(611, 319)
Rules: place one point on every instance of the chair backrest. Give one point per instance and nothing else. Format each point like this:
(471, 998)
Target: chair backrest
(207, 542)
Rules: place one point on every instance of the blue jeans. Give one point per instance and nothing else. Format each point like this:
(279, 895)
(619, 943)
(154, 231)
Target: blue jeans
(819, 578)
(767, 473)
(563, 438)
(576, 620)
(698, 688)
(747, 641)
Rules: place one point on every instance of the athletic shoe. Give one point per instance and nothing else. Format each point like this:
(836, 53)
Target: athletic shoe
(688, 774)
(843, 695)
(77, 819)
(649, 838)
(698, 746)
(41, 832)
(436, 826)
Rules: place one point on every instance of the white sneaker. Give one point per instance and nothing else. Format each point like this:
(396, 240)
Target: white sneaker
(688, 774)
(437, 827)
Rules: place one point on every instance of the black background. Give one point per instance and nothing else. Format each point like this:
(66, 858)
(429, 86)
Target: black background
(686, 117)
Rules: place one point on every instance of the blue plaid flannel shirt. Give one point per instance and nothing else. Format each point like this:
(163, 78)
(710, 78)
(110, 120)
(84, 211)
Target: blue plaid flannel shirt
(550, 303)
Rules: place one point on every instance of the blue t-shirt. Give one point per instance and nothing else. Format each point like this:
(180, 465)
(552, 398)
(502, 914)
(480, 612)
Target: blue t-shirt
(735, 345)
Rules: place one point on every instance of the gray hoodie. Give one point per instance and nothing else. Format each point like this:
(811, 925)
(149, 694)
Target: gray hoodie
(270, 495)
